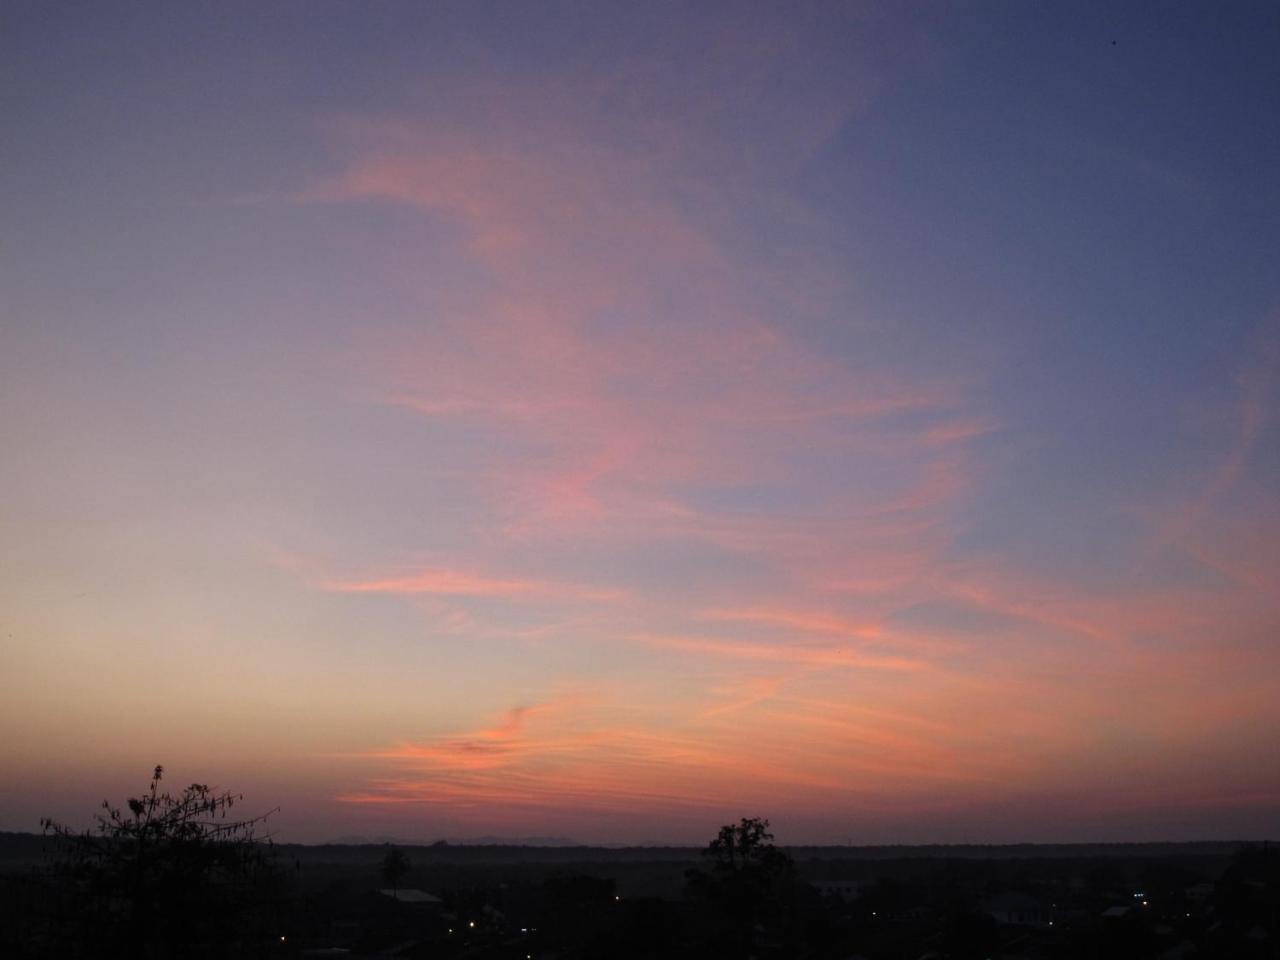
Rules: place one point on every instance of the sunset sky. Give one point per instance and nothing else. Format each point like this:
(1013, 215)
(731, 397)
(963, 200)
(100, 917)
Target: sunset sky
(606, 421)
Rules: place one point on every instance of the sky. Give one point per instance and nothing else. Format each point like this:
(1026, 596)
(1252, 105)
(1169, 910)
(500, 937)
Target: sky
(606, 421)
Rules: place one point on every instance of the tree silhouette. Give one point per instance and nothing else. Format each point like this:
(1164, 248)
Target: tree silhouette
(746, 846)
(163, 875)
(395, 866)
(748, 903)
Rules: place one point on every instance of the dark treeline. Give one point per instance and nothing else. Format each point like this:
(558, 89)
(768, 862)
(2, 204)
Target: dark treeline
(179, 876)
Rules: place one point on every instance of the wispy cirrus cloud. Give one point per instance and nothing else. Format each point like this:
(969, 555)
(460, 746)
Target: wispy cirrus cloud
(461, 583)
(769, 373)
(639, 400)
(766, 536)
(1229, 530)
(688, 384)
(804, 621)
(480, 749)
(800, 654)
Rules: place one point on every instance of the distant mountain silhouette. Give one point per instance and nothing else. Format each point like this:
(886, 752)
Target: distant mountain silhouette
(485, 841)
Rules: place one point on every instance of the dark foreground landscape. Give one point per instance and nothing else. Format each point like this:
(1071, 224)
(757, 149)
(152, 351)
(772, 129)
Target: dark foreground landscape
(739, 897)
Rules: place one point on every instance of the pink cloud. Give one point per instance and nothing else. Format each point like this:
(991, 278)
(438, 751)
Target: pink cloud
(809, 655)
(687, 385)
(458, 583)
(639, 397)
(799, 620)
(449, 582)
